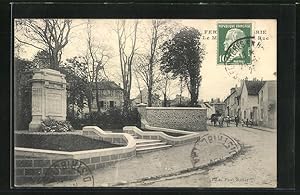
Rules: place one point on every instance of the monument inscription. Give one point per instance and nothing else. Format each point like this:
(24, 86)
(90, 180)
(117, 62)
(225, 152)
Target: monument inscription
(48, 97)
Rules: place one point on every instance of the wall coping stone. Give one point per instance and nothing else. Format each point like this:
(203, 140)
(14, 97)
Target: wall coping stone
(131, 146)
(175, 108)
(170, 139)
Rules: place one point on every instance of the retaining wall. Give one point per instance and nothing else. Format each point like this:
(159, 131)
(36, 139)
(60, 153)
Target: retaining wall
(32, 164)
(181, 118)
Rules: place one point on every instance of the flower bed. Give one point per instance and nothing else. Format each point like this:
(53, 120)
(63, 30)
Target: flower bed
(62, 142)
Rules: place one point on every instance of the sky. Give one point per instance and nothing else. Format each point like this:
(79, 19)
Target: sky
(216, 79)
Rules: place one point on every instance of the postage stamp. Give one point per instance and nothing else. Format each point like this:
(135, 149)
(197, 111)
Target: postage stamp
(234, 43)
(69, 170)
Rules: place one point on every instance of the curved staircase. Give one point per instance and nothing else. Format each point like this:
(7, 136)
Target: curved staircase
(149, 145)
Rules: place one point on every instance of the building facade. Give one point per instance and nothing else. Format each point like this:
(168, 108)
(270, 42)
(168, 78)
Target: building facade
(232, 102)
(249, 100)
(254, 100)
(267, 111)
(110, 95)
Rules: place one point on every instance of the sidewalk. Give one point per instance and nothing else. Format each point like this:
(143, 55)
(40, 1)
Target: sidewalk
(262, 128)
(154, 164)
(249, 126)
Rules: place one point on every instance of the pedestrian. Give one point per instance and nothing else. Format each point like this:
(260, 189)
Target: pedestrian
(227, 120)
(236, 119)
(247, 122)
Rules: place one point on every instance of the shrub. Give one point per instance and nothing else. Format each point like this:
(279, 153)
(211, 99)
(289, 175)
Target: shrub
(52, 125)
(111, 119)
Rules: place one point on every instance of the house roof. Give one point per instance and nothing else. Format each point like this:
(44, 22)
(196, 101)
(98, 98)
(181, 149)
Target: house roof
(253, 87)
(107, 85)
(230, 95)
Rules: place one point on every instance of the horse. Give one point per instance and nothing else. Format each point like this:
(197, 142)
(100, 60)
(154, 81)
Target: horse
(220, 120)
(214, 119)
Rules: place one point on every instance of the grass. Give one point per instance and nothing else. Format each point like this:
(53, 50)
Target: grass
(60, 142)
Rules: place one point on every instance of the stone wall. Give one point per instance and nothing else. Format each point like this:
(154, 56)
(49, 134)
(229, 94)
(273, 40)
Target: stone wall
(181, 118)
(31, 165)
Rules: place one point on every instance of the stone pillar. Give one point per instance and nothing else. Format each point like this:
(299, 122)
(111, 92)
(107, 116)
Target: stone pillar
(143, 112)
(49, 97)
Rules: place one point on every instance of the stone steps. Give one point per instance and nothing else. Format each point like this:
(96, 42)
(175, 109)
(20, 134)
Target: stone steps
(152, 148)
(143, 141)
(149, 145)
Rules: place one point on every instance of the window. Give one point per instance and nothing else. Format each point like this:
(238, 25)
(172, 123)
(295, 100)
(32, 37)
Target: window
(262, 113)
(244, 114)
(111, 104)
(101, 104)
(262, 96)
(251, 115)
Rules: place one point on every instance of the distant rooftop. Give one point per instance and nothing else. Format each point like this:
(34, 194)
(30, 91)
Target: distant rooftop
(253, 87)
(107, 85)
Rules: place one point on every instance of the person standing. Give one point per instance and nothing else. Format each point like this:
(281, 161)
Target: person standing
(236, 119)
(227, 120)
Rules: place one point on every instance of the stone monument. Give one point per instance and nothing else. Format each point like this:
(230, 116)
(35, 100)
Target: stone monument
(48, 97)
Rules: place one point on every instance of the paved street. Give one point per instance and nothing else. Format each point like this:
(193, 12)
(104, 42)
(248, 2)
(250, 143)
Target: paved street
(255, 166)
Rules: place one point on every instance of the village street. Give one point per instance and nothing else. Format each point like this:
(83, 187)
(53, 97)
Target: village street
(255, 166)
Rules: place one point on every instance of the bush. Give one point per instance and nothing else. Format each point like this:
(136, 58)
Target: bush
(111, 119)
(52, 125)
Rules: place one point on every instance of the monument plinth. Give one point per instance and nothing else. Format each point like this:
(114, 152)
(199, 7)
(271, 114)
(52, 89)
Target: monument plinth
(48, 97)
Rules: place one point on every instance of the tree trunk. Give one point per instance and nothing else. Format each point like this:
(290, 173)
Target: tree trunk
(165, 100)
(150, 96)
(97, 97)
(90, 100)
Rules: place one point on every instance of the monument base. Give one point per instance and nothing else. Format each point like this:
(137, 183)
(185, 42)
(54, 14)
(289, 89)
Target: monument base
(34, 126)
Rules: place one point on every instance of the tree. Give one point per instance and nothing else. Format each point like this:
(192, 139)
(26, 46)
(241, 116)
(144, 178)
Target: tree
(23, 74)
(165, 86)
(96, 59)
(182, 56)
(50, 35)
(147, 65)
(42, 59)
(76, 91)
(127, 52)
(181, 85)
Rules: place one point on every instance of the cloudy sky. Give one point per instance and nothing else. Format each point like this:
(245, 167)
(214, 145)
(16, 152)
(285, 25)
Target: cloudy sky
(216, 80)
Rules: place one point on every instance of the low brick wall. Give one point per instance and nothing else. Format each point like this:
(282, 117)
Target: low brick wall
(31, 165)
(181, 118)
(33, 170)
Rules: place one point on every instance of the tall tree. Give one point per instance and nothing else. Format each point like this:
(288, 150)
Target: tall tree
(96, 59)
(22, 99)
(127, 36)
(165, 88)
(147, 65)
(51, 35)
(182, 56)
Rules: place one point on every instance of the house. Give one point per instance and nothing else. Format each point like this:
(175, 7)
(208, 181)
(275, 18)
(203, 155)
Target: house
(180, 101)
(142, 97)
(267, 105)
(210, 109)
(219, 107)
(110, 96)
(232, 102)
(249, 101)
